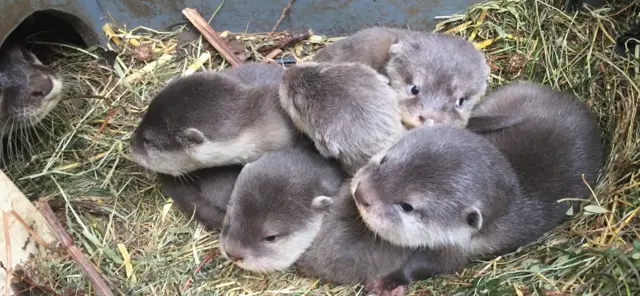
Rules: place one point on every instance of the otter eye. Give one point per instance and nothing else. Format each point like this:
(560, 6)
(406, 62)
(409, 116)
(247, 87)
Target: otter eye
(270, 238)
(460, 101)
(414, 89)
(406, 207)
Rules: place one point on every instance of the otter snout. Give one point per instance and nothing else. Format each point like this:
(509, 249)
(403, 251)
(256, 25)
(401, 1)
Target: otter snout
(40, 85)
(363, 194)
(360, 198)
(235, 257)
(233, 251)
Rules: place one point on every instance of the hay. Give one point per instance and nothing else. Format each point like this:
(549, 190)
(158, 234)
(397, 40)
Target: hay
(144, 246)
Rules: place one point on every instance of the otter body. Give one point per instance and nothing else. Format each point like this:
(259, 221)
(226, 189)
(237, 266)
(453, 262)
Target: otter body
(291, 206)
(204, 193)
(211, 119)
(549, 137)
(347, 109)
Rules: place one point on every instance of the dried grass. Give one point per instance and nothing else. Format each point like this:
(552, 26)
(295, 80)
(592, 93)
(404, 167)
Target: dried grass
(129, 229)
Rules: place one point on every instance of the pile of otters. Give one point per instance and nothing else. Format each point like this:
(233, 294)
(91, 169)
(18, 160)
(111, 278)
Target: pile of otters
(375, 163)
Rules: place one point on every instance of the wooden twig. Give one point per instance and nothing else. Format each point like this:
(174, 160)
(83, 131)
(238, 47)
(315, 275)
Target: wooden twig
(285, 42)
(67, 243)
(28, 228)
(284, 12)
(270, 56)
(202, 263)
(214, 38)
(7, 243)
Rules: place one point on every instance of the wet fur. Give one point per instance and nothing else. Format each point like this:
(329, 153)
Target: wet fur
(549, 139)
(213, 119)
(204, 193)
(28, 89)
(346, 108)
(444, 68)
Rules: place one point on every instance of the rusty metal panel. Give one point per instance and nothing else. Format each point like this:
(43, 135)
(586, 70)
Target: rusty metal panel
(322, 16)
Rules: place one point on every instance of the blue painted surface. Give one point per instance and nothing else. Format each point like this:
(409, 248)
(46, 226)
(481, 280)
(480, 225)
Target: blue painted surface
(322, 16)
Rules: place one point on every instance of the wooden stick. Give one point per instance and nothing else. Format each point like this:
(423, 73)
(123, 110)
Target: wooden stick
(214, 38)
(7, 242)
(285, 42)
(284, 12)
(67, 243)
(270, 56)
(33, 233)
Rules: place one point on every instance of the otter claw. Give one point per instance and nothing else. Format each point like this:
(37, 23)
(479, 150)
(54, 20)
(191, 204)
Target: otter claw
(385, 288)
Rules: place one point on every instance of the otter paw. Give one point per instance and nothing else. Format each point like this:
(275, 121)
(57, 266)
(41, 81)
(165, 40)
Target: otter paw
(385, 288)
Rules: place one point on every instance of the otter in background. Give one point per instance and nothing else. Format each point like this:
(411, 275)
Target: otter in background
(439, 78)
(369, 46)
(28, 89)
(213, 119)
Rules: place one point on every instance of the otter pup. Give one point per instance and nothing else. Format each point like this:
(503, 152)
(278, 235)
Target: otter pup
(292, 207)
(210, 119)
(205, 192)
(28, 89)
(548, 142)
(369, 46)
(438, 78)
(347, 109)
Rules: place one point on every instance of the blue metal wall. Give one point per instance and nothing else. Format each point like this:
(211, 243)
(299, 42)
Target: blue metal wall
(322, 16)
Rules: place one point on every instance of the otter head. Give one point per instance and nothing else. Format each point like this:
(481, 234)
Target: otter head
(435, 187)
(194, 122)
(28, 89)
(275, 212)
(438, 77)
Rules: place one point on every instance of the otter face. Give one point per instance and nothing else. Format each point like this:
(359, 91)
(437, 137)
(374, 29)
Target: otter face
(28, 89)
(199, 121)
(271, 221)
(439, 78)
(435, 187)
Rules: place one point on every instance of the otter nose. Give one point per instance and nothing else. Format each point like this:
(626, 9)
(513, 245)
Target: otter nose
(429, 120)
(235, 257)
(360, 197)
(40, 85)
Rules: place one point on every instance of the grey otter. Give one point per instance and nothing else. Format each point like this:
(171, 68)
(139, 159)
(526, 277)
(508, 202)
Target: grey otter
(212, 119)
(293, 207)
(204, 193)
(28, 89)
(548, 140)
(439, 78)
(549, 137)
(369, 46)
(347, 109)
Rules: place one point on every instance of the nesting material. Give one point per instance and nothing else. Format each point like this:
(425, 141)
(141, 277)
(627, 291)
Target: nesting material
(146, 246)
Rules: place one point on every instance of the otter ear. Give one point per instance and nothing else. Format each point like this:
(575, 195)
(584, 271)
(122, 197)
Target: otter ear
(194, 136)
(383, 78)
(396, 48)
(473, 217)
(322, 203)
